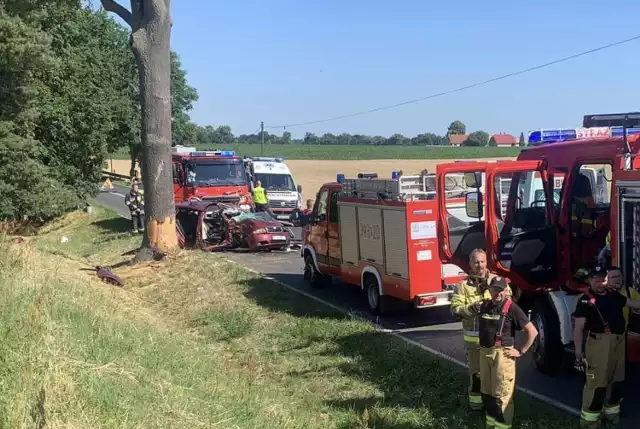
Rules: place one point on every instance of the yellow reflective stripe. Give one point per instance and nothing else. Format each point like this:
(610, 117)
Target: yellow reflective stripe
(475, 399)
(490, 421)
(585, 221)
(469, 339)
(589, 416)
(499, 425)
(612, 410)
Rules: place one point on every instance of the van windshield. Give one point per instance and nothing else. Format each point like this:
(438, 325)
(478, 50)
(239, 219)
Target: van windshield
(276, 182)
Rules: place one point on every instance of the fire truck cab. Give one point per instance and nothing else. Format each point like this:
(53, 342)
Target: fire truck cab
(588, 187)
(217, 175)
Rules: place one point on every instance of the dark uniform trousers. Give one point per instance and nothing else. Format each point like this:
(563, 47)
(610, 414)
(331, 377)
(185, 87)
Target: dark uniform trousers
(498, 382)
(605, 355)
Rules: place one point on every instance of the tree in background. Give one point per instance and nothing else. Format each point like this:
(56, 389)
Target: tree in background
(522, 142)
(150, 23)
(477, 138)
(493, 142)
(457, 128)
(63, 104)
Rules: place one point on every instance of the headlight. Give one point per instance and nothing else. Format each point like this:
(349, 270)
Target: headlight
(260, 231)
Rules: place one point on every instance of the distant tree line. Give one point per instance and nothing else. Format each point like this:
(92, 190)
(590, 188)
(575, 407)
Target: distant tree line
(223, 135)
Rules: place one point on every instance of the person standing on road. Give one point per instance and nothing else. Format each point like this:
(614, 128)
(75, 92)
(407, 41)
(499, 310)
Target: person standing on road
(465, 304)
(600, 314)
(135, 201)
(260, 198)
(500, 318)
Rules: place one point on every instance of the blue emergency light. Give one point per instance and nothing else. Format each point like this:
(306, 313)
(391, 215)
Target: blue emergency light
(267, 159)
(213, 153)
(340, 178)
(395, 175)
(560, 135)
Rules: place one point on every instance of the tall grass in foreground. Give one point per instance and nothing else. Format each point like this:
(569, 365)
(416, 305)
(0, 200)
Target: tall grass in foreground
(194, 342)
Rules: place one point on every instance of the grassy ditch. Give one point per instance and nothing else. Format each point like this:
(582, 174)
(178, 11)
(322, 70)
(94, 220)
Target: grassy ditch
(195, 342)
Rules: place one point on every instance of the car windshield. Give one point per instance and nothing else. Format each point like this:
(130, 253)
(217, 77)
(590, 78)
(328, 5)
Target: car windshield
(217, 173)
(276, 182)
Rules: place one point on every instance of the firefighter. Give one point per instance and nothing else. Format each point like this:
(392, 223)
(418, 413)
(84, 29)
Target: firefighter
(465, 304)
(500, 318)
(600, 314)
(583, 222)
(135, 201)
(260, 198)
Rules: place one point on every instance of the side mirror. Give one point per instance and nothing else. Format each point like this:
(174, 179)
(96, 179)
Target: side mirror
(473, 205)
(473, 180)
(299, 189)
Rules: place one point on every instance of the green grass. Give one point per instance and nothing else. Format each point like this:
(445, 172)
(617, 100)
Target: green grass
(362, 152)
(195, 342)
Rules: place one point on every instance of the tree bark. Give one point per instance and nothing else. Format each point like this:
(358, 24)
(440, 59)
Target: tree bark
(150, 22)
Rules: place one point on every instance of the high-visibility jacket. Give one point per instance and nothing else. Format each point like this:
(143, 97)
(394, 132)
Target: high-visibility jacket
(259, 195)
(583, 221)
(467, 293)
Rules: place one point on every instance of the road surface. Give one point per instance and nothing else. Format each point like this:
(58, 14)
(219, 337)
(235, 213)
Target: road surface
(429, 328)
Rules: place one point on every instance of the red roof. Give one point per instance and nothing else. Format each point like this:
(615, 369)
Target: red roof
(504, 139)
(457, 138)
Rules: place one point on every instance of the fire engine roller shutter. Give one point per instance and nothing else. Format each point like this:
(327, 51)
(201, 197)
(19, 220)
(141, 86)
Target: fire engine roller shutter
(370, 234)
(395, 243)
(348, 234)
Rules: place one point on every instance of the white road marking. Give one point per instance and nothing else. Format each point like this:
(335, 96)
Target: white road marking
(542, 398)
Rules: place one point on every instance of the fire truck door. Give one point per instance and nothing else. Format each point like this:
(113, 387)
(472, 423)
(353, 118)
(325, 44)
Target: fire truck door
(458, 233)
(178, 181)
(334, 258)
(521, 240)
(319, 234)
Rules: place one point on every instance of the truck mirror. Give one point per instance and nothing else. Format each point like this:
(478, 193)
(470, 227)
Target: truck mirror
(473, 205)
(299, 189)
(473, 180)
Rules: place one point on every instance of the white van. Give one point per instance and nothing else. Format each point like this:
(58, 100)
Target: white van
(276, 178)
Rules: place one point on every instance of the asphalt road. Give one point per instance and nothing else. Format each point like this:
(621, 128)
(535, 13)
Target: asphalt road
(432, 328)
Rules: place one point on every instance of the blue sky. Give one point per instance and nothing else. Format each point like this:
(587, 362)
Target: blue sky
(286, 61)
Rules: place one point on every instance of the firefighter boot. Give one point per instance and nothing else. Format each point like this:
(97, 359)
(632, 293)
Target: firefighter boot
(498, 380)
(473, 359)
(597, 380)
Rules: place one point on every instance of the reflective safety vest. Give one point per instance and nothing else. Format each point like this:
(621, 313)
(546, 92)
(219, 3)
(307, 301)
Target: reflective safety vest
(259, 196)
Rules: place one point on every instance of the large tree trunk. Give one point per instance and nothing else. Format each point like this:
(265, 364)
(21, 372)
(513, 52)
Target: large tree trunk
(150, 22)
(151, 48)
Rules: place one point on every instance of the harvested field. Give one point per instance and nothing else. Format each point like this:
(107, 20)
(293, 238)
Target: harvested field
(313, 173)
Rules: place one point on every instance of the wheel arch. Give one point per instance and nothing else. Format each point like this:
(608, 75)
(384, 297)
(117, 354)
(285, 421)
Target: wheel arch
(369, 270)
(308, 250)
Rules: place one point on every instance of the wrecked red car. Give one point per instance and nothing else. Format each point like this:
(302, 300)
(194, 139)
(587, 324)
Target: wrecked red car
(217, 226)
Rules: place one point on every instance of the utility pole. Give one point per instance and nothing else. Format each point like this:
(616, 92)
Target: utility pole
(262, 138)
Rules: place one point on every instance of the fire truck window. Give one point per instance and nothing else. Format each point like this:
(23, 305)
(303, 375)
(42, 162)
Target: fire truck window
(321, 205)
(333, 209)
(465, 233)
(176, 173)
(522, 200)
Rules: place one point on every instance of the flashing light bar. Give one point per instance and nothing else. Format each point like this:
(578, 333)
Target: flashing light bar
(213, 153)
(561, 135)
(340, 178)
(267, 159)
(395, 175)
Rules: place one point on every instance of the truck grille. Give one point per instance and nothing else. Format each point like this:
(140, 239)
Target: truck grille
(279, 204)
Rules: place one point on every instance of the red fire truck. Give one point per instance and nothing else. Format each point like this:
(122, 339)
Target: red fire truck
(217, 175)
(381, 236)
(544, 244)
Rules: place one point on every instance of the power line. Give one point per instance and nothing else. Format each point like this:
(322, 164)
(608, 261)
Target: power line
(462, 88)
